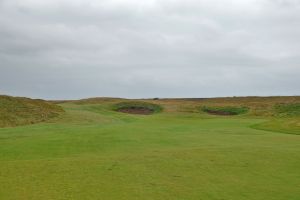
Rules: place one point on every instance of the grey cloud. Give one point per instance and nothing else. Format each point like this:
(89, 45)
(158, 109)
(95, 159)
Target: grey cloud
(171, 48)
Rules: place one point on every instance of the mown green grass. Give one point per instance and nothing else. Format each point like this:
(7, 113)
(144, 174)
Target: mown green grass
(93, 152)
(283, 125)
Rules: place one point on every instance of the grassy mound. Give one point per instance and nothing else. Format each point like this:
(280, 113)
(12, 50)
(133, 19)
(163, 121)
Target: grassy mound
(137, 107)
(283, 125)
(229, 110)
(97, 100)
(16, 111)
(288, 109)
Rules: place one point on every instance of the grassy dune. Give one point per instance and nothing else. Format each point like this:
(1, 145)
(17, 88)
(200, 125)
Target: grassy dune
(16, 111)
(93, 152)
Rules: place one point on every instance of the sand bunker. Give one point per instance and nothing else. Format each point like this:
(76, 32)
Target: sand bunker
(137, 107)
(136, 110)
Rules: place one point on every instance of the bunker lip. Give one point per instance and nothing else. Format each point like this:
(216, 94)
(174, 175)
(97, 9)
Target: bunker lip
(136, 110)
(223, 113)
(137, 107)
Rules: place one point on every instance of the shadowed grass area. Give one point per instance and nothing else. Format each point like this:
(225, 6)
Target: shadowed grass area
(92, 152)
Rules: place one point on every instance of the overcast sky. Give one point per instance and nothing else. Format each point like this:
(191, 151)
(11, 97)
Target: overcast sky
(70, 49)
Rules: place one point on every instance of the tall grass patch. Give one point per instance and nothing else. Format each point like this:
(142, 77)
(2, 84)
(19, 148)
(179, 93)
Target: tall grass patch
(287, 109)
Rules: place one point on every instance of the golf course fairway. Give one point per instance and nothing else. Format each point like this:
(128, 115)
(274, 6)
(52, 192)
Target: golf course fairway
(94, 152)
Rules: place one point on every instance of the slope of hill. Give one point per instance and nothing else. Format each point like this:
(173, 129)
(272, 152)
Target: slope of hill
(285, 109)
(16, 111)
(277, 106)
(285, 106)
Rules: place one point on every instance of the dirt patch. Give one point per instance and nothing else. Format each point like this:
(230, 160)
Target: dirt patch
(137, 107)
(225, 111)
(136, 110)
(219, 112)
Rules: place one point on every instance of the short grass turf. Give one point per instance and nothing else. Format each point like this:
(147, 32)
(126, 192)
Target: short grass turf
(92, 152)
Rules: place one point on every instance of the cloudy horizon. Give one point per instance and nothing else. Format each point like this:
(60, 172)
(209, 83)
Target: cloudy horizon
(71, 49)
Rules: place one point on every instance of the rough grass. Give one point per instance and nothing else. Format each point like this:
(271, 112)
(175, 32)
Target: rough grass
(288, 109)
(21, 111)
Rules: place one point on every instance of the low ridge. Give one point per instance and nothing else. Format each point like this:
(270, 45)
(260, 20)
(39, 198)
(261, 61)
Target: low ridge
(16, 111)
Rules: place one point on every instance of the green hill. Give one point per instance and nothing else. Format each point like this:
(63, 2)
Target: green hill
(21, 111)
